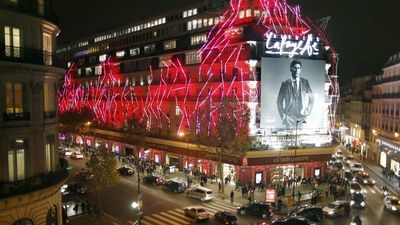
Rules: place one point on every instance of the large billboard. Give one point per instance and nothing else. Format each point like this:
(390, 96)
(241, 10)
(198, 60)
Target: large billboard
(292, 95)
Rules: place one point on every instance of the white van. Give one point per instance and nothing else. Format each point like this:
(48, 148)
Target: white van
(201, 193)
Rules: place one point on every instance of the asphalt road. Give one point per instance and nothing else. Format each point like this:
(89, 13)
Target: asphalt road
(164, 208)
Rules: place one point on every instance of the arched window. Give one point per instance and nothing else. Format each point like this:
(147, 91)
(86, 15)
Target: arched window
(24, 221)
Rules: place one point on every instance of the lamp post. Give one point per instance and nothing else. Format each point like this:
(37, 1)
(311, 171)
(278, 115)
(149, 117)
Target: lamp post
(295, 154)
(135, 206)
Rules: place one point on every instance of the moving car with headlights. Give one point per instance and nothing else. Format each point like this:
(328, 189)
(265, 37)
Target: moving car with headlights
(226, 217)
(153, 179)
(73, 189)
(200, 193)
(355, 187)
(126, 171)
(174, 186)
(364, 179)
(392, 203)
(337, 208)
(259, 209)
(197, 213)
(348, 159)
(292, 220)
(356, 167)
(76, 155)
(357, 199)
(312, 212)
(348, 175)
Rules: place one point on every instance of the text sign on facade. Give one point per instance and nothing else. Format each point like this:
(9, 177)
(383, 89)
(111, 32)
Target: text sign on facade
(270, 195)
(291, 46)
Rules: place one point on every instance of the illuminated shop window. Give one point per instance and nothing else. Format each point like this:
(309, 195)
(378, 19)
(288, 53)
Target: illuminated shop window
(149, 79)
(79, 72)
(134, 51)
(120, 54)
(102, 58)
(192, 57)
(169, 45)
(210, 21)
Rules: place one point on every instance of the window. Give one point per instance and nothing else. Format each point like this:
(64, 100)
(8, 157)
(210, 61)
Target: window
(169, 45)
(49, 97)
(97, 70)
(248, 12)
(150, 48)
(198, 39)
(49, 149)
(14, 98)
(165, 61)
(12, 37)
(102, 58)
(134, 51)
(88, 71)
(120, 54)
(177, 111)
(241, 14)
(192, 58)
(47, 49)
(16, 160)
(41, 7)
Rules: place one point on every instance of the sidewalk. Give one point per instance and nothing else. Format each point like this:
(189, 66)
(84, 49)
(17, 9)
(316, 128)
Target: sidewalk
(393, 184)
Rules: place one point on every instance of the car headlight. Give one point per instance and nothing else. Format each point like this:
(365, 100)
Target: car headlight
(365, 181)
(373, 181)
(351, 191)
(352, 202)
(394, 208)
(362, 204)
(330, 212)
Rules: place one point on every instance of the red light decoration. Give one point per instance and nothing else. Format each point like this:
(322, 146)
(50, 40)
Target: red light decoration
(224, 72)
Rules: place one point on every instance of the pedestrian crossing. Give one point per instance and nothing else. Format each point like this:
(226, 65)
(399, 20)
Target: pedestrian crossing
(178, 217)
(372, 189)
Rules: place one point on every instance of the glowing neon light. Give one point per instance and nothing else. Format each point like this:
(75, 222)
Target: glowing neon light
(285, 46)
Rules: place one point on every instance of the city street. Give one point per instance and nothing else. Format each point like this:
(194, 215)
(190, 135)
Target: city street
(163, 207)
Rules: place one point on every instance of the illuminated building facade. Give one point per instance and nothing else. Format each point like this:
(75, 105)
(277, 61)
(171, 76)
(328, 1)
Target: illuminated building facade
(172, 71)
(30, 174)
(386, 115)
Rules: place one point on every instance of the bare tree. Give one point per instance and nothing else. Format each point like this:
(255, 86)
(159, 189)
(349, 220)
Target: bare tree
(230, 136)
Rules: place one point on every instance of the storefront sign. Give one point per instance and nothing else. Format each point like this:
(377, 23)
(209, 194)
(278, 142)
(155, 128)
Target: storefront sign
(287, 159)
(270, 195)
(287, 45)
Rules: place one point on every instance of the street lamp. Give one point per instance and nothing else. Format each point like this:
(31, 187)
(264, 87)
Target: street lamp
(135, 206)
(295, 153)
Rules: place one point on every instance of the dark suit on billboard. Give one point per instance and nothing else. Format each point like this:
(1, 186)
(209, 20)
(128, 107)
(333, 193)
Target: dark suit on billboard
(295, 101)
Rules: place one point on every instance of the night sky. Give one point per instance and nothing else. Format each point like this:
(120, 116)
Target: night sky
(363, 32)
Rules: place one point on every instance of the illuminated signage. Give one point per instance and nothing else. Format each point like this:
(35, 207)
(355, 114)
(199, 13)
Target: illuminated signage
(270, 195)
(287, 45)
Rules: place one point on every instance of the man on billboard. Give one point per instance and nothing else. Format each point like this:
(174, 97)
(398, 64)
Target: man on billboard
(295, 99)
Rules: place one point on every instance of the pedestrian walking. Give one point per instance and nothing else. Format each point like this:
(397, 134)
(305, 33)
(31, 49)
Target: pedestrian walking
(298, 195)
(232, 195)
(83, 206)
(76, 208)
(219, 186)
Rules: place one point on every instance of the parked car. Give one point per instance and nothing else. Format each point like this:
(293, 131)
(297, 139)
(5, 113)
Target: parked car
(348, 175)
(84, 175)
(126, 171)
(355, 187)
(74, 189)
(357, 199)
(174, 186)
(201, 193)
(312, 212)
(356, 167)
(364, 178)
(392, 203)
(292, 220)
(337, 208)
(76, 155)
(197, 213)
(153, 179)
(226, 217)
(259, 209)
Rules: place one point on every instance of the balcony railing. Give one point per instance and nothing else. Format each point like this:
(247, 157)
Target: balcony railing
(9, 189)
(17, 116)
(28, 55)
(386, 95)
(388, 79)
